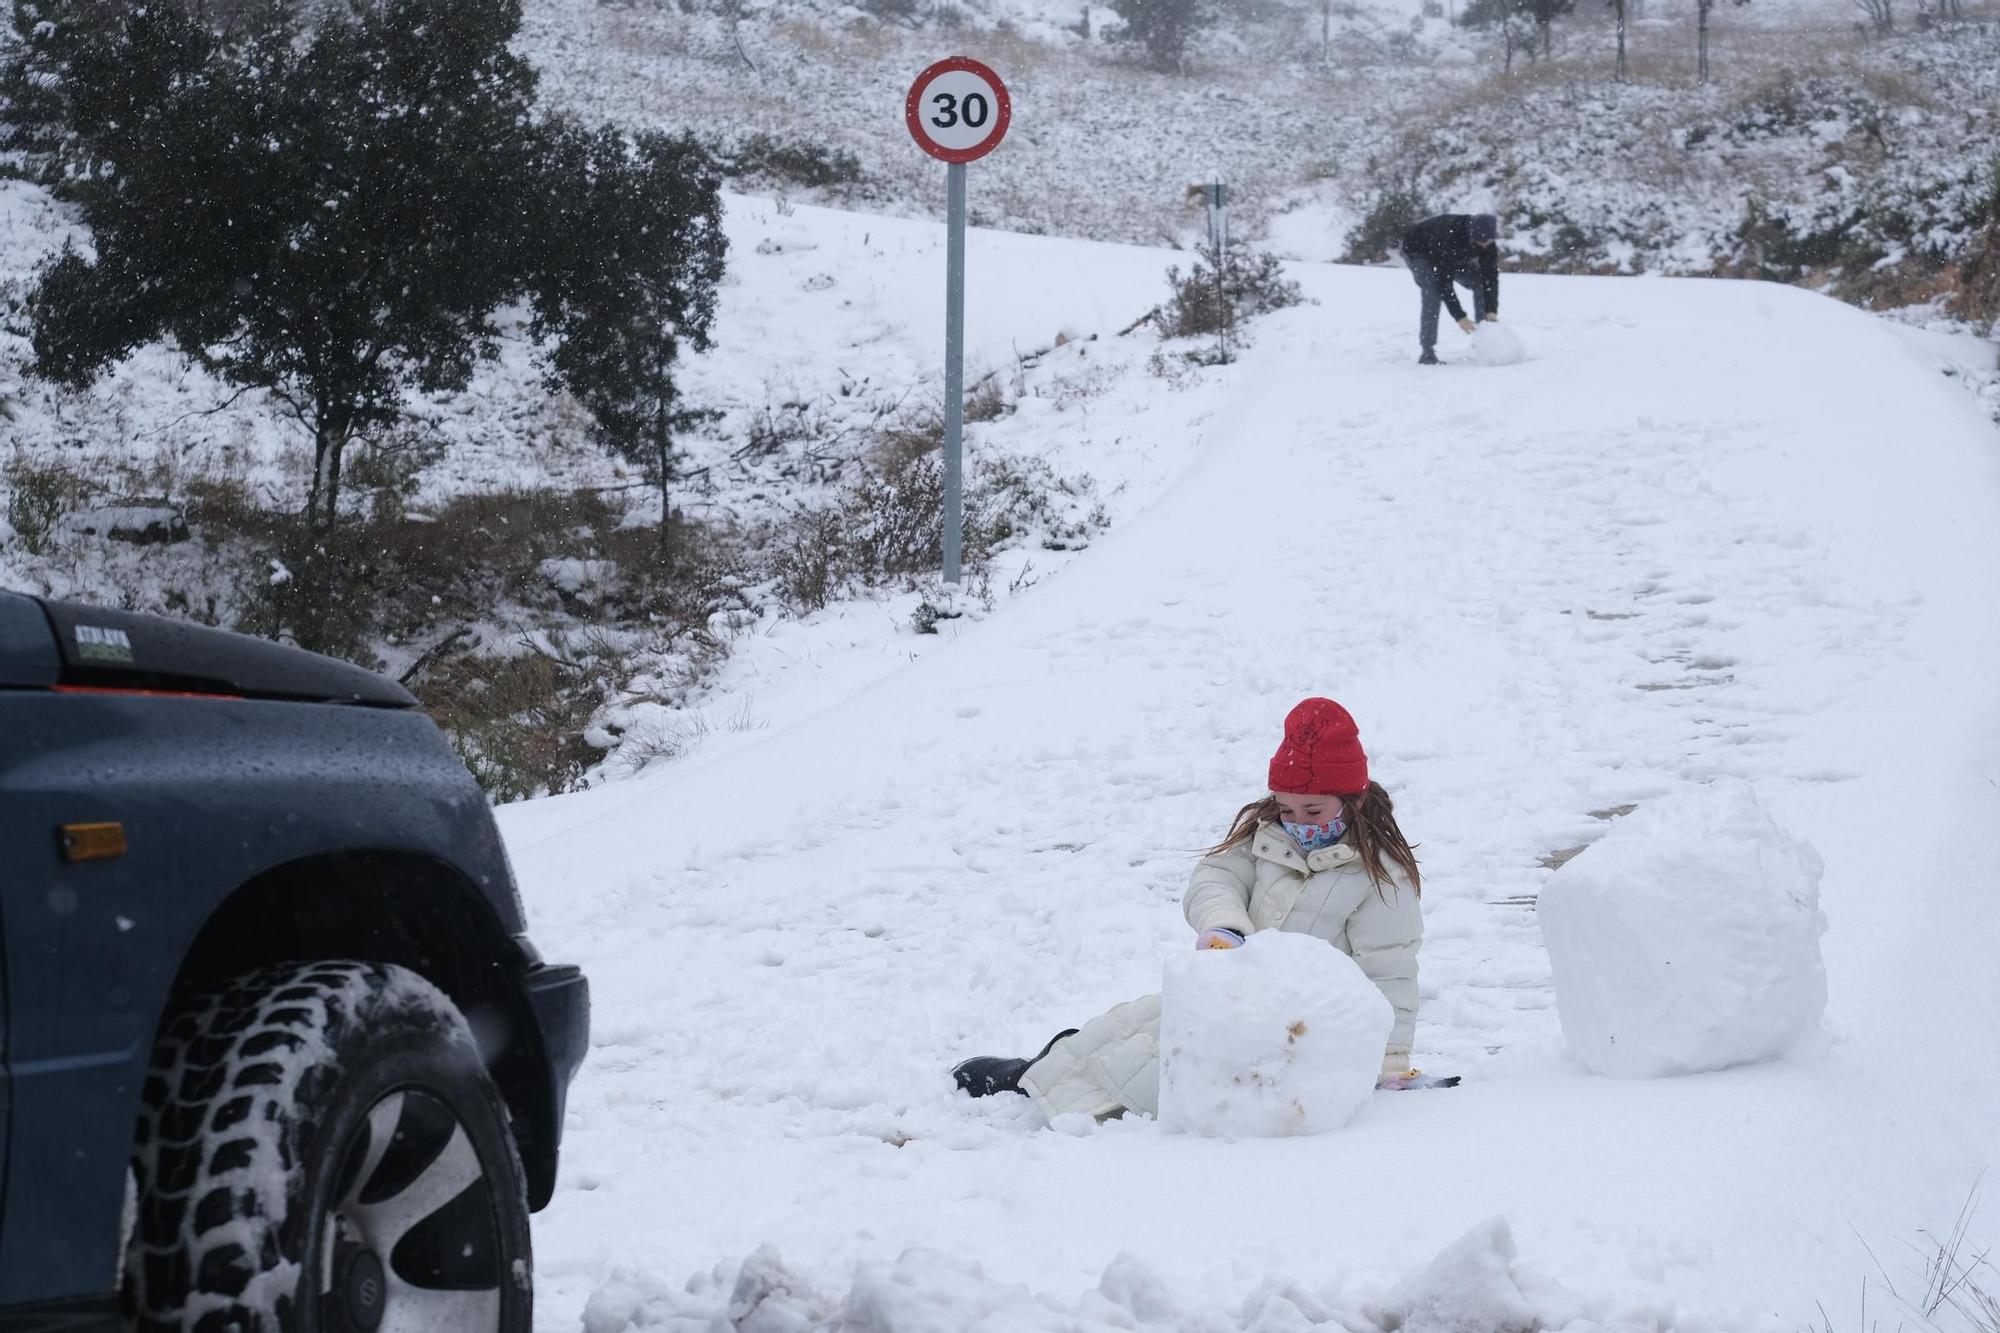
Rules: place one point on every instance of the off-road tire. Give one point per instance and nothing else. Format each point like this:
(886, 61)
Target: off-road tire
(261, 1144)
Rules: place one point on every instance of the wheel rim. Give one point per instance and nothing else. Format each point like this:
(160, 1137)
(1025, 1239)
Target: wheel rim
(412, 1242)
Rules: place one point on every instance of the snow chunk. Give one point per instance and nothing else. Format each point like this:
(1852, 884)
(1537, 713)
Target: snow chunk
(1281, 1036)
(1497, 345)
(925, 1289)
(138, 522)
(1470, 1288)
(578, 577)
(1687, 939)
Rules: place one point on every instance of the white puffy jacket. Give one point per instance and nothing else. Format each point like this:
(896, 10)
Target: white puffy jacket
(1267, 883)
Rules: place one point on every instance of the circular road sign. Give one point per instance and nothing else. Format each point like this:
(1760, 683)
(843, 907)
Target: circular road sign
(958, 110)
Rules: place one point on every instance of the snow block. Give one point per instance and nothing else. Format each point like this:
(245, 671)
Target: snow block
(1470, 1288)
(1497, 345)
(1281, 1036)
(1687, 939)
(926, 1289)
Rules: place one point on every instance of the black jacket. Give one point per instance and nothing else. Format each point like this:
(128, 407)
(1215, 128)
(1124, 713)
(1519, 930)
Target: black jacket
(1443, 245)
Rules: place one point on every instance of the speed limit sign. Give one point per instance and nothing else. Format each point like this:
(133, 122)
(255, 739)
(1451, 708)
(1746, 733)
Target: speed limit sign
(958, 110)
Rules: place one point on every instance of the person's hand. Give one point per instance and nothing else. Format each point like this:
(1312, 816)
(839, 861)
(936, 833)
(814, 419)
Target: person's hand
(1467, 325)
(1491, 319)
(1219, 938)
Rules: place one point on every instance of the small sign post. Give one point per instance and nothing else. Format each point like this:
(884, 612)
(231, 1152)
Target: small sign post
(957, 111)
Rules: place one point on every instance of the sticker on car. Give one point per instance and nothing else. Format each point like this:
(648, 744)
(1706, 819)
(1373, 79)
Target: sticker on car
(101, 643)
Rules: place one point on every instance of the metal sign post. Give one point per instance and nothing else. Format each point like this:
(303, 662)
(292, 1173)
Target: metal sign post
(954, 368)
(957, 111)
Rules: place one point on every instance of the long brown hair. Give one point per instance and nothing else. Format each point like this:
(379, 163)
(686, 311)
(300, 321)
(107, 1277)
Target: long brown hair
(1371, 827)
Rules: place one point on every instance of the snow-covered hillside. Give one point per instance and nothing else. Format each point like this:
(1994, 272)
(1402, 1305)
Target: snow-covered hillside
(1854, 165)
(1851, 151)
(1705, 529)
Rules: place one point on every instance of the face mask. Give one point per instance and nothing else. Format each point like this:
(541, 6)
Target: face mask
(1312, 837)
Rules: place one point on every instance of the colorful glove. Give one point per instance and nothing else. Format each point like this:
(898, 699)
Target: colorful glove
(1219, 938)
(1414, 1078)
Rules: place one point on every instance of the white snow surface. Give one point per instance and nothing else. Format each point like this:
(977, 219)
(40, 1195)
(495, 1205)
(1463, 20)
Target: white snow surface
(1709, 530)
(1280, 1036)
(1687, 939)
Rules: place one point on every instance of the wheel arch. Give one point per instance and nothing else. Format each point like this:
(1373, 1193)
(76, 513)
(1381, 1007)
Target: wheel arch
(416, 912)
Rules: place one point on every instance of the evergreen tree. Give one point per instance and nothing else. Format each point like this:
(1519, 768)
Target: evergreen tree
(1542, 13)
(330, 221)
(630, 261)
(1163, 27)
(332, 213)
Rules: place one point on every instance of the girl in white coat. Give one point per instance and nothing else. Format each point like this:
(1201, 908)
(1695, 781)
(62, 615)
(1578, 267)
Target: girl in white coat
(1322, 855)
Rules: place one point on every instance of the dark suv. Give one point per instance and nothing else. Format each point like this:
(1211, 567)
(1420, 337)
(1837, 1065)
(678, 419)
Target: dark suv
(274, 1051)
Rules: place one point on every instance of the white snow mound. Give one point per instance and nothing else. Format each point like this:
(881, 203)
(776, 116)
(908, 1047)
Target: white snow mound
(1473, 1287)
(1687, 939)
(1282, 1036)
(1497, 345)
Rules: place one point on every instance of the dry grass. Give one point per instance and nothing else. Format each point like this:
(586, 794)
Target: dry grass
(912, 433)
(518, 721)
(1957, 1288)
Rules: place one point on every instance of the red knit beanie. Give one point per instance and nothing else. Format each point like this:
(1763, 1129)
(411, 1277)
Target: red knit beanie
(1322, 753)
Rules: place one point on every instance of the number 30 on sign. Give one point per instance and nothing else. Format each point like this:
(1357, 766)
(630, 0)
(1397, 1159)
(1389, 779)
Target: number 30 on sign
(958, 110)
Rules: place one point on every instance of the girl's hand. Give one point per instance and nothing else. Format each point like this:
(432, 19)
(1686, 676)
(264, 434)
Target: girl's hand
(1219, 938)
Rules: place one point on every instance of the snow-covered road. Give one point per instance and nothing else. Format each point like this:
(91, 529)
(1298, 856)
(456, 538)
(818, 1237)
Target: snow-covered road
(1707, 528)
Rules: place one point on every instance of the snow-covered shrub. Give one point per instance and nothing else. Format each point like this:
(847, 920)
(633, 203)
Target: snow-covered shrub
(808, 558)
(885, 529)
(1687, 939)
(1281, 1036)
(1977, 296)
(520, 721)
(1391, 210)
(1022, 497)
(1249, 285)
(40, 494)
(986, 401)
(767, 159)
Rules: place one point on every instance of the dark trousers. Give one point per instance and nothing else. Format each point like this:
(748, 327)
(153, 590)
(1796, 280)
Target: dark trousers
(1430, 288)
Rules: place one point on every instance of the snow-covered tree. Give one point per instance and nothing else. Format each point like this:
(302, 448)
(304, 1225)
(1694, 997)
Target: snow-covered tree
(332, 212)
(1542, 13)
(1163, 27)
(630, 258)
(331, 221)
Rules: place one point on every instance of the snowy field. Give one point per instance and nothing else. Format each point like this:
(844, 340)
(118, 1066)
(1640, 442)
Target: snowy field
(1703, 529)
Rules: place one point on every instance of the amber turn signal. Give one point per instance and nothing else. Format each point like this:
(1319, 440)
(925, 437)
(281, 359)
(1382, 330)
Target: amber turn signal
(92, 842)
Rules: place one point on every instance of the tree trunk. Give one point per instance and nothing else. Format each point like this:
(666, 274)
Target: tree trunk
(663, 443)
(329, 443)
(1621, 41)
(333, 461)
(1325, 32)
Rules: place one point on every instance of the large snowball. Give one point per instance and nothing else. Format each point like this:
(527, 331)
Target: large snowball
(1687, 939)
(1282, 1036)
(1497, 345)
